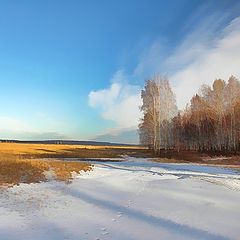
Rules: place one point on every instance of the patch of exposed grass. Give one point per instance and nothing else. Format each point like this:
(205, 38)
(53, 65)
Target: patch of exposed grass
(14, 172)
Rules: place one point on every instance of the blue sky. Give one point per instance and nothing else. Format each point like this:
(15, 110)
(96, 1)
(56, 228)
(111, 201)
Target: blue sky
(74, 69)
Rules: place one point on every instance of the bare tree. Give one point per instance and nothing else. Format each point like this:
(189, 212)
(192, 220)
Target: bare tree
(159, 107)
(210, 123)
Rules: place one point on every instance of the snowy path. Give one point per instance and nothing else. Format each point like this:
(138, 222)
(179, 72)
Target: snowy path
(127, 200)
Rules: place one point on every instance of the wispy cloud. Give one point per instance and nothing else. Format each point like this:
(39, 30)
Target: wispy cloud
(211, 50)
(150, 59)
(205, 61)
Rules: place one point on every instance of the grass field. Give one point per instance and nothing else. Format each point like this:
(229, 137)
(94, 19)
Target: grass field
(25, 162)
(33, 151)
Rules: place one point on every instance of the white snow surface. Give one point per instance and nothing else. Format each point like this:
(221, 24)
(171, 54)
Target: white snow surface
(135, 199)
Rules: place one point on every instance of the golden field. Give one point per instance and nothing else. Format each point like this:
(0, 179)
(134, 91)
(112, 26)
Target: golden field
(23, 151)
(29, 163)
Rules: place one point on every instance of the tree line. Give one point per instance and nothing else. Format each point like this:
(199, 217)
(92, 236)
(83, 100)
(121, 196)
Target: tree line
(210, 122)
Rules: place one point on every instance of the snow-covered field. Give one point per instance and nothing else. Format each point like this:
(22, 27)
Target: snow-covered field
(136, 199)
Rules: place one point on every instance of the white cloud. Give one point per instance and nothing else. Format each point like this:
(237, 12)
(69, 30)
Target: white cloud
(120, 102)
(204, 54)
(104, 97)
(219, 57)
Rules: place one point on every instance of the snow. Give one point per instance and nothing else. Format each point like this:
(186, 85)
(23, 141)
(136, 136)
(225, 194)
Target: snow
(136, 199)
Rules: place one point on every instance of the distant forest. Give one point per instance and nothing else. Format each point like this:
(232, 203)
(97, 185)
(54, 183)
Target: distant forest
(210, 123)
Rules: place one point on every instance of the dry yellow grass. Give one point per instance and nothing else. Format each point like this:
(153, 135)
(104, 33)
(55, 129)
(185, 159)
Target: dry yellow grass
(17, 171)
(23, 151)
(40, 148)
(21, 162)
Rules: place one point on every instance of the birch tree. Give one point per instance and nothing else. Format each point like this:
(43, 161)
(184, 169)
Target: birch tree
(159, 107)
